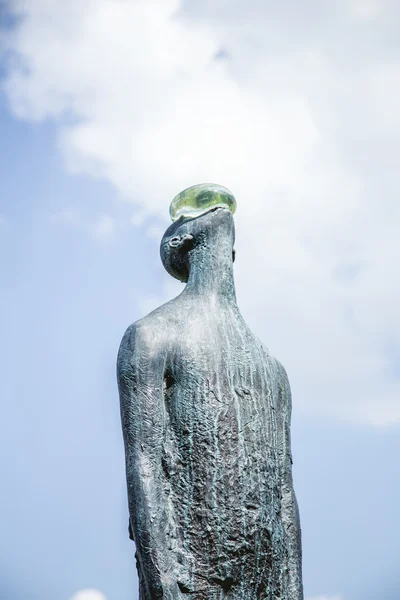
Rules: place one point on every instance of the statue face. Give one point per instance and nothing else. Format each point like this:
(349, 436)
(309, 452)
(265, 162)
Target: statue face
(186, 233)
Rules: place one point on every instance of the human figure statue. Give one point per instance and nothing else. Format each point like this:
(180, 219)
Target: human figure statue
(205, 412)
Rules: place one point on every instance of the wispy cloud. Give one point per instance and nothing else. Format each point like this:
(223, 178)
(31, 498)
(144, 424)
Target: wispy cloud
(304, 130)
(367, 10)
(89, 594)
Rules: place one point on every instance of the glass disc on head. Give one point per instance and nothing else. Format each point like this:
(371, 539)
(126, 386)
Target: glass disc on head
(199, 199)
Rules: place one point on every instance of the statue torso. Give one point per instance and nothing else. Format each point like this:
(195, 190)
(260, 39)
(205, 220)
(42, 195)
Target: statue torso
(220, 451)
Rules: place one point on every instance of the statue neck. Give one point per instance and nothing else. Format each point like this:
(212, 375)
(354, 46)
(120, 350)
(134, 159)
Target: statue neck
(211, 271)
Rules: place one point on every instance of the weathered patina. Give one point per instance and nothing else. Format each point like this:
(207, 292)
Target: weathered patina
(205, 414)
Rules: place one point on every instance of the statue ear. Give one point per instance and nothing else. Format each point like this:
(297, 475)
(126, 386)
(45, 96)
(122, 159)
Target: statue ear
(181, 241)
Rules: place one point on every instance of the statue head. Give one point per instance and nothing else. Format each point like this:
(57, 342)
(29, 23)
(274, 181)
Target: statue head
(202, 222)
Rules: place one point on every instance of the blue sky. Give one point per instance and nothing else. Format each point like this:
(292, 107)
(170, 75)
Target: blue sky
(97, 135)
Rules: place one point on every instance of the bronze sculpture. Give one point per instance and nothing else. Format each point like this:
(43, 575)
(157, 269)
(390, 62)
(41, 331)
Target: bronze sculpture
(205, 412)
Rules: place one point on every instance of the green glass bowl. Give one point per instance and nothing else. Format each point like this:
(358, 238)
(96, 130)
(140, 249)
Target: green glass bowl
(199, 199)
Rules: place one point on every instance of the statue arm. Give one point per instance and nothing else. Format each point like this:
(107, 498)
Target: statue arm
(290, 511)
(140, 372)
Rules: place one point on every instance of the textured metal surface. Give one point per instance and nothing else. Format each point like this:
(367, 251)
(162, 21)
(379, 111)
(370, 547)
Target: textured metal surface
(205, 414)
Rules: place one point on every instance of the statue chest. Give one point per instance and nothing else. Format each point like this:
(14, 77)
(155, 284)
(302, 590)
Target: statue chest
(221, 446)
(221, 404)
(221, 378)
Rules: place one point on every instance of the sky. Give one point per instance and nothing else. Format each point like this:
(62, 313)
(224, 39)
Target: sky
(108, 108)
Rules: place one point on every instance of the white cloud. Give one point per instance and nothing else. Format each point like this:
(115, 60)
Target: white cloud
(299, 121)
(89, 594)
(366, 10)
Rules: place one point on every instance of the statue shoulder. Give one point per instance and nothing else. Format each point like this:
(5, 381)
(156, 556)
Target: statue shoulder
(129, 340)
(140, 335)
(148, 336)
